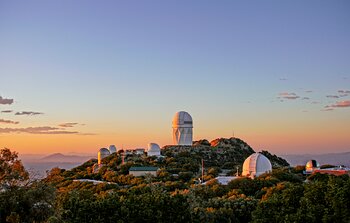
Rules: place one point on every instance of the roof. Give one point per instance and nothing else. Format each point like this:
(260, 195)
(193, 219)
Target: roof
(223, 180)
(143, 168)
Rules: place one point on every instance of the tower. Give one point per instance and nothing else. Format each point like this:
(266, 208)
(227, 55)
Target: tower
(182, 129)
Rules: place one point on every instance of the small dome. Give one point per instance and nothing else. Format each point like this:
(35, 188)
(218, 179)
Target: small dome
(312, 164)
(112, 149)
(255, 165)
(102, 153)
(153, 149)
(182, 119)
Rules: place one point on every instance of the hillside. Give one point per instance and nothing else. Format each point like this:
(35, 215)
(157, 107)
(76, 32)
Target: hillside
(107, 193)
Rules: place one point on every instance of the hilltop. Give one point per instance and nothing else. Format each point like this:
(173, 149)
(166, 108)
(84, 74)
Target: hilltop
(221, 155)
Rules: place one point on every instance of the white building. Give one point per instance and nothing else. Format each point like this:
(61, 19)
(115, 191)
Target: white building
(182, 129)
(102, 153)
(255, 165)
(153, 149)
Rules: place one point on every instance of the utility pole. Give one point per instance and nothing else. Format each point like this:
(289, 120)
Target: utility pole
(123, 155)
(203, 170)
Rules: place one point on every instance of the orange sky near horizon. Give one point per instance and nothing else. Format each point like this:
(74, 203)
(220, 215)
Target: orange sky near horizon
(75, 79)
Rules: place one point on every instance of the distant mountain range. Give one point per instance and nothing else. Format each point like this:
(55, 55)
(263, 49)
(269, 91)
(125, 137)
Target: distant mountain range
(39, 164)
(59, 157)
(328, 158)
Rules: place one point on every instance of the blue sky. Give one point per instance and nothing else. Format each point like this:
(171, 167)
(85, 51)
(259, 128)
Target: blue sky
(120, 67)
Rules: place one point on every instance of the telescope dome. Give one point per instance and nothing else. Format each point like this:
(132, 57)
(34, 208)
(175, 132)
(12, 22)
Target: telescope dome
(312, 165)
(255, 165)
(102, 153)
(112, 149)
(153, 149)
(182, 119)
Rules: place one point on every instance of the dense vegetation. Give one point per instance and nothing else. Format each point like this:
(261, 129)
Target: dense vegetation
(174, 195)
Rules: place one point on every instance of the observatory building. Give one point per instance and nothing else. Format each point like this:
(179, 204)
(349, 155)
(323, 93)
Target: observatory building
(255, 165)
(112, 149)
(182, 129)
(311, 165)
(153, 149)
(102, 153)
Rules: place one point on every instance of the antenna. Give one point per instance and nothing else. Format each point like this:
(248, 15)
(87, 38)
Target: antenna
(233, 134)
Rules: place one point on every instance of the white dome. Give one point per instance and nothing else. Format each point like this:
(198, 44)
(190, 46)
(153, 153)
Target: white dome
(182, 119)
(255, 165)
(112, 149)
(102, 153)
(153, 149)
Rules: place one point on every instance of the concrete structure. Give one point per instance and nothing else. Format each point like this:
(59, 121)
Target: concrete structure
(139, 171)
(182, 129)
(153, 149)
(102, 153)
(311, 166)
(112, 149)
(255, 165)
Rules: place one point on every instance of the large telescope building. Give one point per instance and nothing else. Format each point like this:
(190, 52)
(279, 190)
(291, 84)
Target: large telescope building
(182, 129)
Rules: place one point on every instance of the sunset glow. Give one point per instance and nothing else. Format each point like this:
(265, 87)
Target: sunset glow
(75, 77)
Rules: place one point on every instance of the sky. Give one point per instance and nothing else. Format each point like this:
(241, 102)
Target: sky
(79, 75)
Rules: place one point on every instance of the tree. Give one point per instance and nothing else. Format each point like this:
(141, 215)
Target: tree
(12, 172)
(20, 199)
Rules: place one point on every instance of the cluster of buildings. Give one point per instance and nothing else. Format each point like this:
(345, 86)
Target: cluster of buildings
(182, 125)
(182, 135)
(312, 166)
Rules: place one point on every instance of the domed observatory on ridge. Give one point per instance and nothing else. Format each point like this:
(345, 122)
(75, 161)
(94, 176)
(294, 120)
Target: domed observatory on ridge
(112, 149)
(182, 129)
(311, 165)
(153, 149)
(102, 153)
(255, 165)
